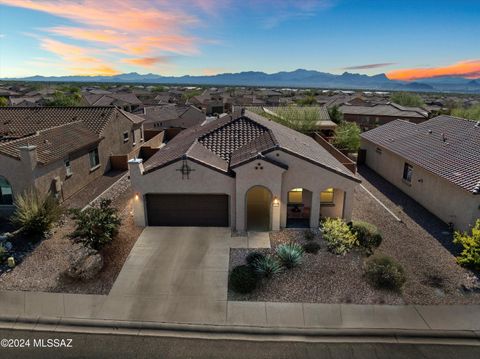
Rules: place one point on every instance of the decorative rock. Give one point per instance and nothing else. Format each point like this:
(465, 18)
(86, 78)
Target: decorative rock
(11, 262)
(85, 263)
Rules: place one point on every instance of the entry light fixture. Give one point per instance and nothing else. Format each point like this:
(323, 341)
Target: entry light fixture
(276, 202)
(136, 196)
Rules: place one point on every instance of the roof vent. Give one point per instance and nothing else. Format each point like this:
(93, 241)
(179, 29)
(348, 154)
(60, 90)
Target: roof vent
(477, 124)
(444, 138)
(430, 131)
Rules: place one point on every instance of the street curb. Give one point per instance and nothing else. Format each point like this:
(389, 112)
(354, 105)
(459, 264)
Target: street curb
(114, 327)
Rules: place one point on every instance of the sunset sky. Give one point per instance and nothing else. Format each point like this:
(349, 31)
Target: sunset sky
(407, 39)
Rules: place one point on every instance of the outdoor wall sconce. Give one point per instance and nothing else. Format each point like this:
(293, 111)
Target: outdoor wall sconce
(136, 197)
(276, 202)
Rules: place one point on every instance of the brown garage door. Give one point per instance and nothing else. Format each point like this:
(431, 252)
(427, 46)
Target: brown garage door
(203, 210)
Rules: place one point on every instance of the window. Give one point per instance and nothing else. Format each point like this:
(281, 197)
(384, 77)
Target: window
(295, 196)
(327, 196)
(125, 136)
(407, 173)
(68, 168)
(6, 196)
(141, 134)
(94, 159)
(133, 138)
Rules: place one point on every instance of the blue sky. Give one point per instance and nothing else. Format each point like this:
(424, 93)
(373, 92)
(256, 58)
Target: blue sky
(405, 38)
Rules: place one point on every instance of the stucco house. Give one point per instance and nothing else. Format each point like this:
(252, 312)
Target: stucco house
(171, 116)
(247, 173)
(60, 149)
(436, 162)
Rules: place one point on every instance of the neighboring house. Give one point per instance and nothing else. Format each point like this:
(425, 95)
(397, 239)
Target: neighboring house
(61, 149)
(212, 102)
(171, 116)
(436, 162)
(126, 101)
(247, 173)
(368, 117)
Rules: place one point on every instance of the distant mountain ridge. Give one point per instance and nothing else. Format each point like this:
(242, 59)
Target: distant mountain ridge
(297, 78)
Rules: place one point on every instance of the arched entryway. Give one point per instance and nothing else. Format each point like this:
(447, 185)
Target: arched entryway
(259, 206)
(331, 203)
(6, 194)
(299, 206)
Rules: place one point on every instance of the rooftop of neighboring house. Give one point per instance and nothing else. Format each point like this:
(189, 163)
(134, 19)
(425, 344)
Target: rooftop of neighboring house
(388, 109)
(166, 112)
(54, 130)
(111, 98)
(229, 142)
(446, 146)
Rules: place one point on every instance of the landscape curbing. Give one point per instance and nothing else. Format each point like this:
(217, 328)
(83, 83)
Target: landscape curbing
(116, 327)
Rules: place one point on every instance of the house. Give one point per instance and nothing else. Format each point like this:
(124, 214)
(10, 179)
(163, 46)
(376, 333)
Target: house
(436, 162)
(246, 172)
(61, 149)
(368, 117)
(212, 102)
(171, 116)
(125, 101)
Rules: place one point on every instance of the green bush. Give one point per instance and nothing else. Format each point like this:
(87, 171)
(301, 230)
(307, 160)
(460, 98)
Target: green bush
(267, 267)
(3, 253)
(34, 213)
(470, 255)
(367, 234)
(347, 136)
(385, 273)
(309, 235)
(96, 226)
(290, 254)
(243, 279)
(253, 257)
(338, 235)
(311, 247)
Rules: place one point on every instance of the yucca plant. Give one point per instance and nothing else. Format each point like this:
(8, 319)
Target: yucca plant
(290, 254)
(35, 213)
(267, 266)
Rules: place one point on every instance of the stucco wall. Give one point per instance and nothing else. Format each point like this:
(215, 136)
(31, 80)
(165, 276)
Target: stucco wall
(447, 201)
(169, 180)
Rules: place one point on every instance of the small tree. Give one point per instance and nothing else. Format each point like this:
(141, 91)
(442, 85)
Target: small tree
(335, 114)
(96, 226)
(347, 137)
(407, 99)
(470, 255)
(65, 100)
(3, 102)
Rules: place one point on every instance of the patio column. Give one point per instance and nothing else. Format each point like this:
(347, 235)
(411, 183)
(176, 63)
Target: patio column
(315, 210)
(136, 169)
(348, 205)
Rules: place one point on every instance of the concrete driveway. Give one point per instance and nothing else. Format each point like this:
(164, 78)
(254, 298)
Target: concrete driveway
(174, 273)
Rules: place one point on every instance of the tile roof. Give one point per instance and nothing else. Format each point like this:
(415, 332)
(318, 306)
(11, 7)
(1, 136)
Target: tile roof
(389, 109)
(227, 143)
(53, 143)
(447, 146)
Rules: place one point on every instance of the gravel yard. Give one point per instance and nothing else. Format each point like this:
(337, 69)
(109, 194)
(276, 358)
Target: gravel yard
(419, 243)
(43, 268)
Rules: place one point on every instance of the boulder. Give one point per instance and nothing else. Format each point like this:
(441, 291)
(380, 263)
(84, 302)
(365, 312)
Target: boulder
(84, 263)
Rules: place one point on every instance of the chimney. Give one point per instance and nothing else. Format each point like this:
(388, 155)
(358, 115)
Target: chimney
(135, 167)
(28, 156)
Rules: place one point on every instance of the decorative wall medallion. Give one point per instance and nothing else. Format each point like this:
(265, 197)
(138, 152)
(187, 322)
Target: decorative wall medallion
(185, 170)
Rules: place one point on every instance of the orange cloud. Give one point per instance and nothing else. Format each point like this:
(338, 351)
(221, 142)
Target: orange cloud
(468, 69)
(77, 59)
(212, 71)
(147, 61)
(130, 27)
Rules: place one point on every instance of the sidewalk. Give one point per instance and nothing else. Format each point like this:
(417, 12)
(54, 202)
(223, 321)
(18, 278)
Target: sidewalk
(260, 316)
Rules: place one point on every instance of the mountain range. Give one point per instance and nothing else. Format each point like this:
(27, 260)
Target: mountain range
(297, 78)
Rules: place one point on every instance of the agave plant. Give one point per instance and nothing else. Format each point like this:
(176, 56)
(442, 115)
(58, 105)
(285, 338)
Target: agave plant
(290, 254)
(267, 267)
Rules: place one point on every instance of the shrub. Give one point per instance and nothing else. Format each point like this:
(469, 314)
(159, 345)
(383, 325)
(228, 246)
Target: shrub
(290, 254)
(338, 235)
(243, 279)
(470, 255)
(3, 253)
(311, 247)
(267, 267)
(309, 235)
(347, 136)
(253, 257)
(96, 226)
(368, 235)
(384, 272)
(35, 214)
